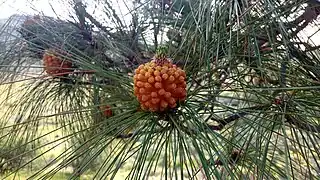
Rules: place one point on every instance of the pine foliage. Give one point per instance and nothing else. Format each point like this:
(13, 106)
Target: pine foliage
(251, 111)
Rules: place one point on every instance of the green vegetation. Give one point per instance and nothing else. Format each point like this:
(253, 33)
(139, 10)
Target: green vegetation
(252, 106)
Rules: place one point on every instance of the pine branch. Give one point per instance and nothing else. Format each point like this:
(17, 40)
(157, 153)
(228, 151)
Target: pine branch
(97, 24)
(130, 55)
(302, 125)
(80, 9)
(312, 48)
(125, 136)
(311, 12)
(236, 116)
(223, 123)
(233, 158)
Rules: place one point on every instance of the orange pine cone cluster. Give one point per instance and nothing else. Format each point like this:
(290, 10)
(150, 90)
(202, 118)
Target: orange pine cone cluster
(54, 65)
(159, 85)
(106, 110)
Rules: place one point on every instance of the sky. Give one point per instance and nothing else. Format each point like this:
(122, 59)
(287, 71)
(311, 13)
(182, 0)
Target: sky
(10, 7)
(62, 8)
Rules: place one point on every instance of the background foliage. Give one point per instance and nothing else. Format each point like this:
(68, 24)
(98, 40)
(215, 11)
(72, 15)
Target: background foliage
(252, 105)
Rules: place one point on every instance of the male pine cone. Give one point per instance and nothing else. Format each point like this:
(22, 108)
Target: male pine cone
(54, 65)
(159, 84)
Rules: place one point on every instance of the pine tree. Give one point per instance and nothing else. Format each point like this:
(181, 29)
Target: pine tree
(233, 91)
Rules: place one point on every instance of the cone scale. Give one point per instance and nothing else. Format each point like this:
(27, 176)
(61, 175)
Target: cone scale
(159, 84)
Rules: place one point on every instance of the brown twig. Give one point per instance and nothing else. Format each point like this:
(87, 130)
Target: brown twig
(310, 14)
(234, 117)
